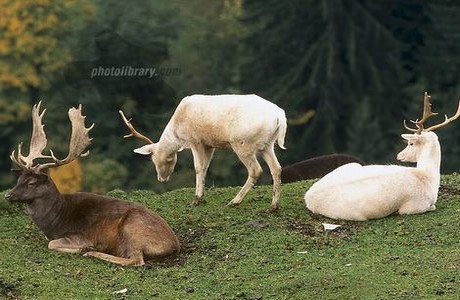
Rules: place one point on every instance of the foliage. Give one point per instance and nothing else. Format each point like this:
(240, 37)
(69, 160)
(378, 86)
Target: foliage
(249, 253)
(36, 38)
(208, 47)
(329, 57)
(68, 178)
(103, 175)
(35, 41)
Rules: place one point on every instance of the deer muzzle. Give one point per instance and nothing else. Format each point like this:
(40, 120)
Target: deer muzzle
(9, 197)
(161, 179)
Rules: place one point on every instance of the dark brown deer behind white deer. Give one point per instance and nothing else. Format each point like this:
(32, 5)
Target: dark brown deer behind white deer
(103, 227)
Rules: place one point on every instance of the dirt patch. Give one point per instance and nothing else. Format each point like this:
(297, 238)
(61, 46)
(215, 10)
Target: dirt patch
(8, 290)
(302, 228)
(257, 224)
(449, 190)
(188, 244)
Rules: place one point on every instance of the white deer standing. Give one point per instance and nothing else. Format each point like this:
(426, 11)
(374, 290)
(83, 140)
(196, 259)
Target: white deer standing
(355, 192)
(247, 124)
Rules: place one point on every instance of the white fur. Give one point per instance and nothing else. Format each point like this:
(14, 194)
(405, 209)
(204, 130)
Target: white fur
(247, 124)
(355, 192)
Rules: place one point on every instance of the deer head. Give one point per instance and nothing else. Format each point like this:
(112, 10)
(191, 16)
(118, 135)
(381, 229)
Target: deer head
(422, 136)
(31, 185)
(164, 162)
(33, 182)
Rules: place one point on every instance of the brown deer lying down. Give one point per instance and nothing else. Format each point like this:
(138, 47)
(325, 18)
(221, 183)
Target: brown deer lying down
(107, 228)
(316, 167)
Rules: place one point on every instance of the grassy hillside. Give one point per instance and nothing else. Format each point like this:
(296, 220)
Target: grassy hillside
(248, 253)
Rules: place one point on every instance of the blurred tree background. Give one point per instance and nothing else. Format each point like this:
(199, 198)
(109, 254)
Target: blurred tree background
(346, 72)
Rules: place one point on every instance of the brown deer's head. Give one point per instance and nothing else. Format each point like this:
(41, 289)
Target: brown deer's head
(31, 185)
(33, 182)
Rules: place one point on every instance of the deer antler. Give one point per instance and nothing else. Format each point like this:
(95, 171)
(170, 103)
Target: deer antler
(79, 141)
(447, 119)
(426, 114)
(37, 141)
(134, 132)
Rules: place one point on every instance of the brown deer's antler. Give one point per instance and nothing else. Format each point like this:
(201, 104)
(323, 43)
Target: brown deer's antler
(134, 132)
(37, 141)
(79, 141)
(428, 113)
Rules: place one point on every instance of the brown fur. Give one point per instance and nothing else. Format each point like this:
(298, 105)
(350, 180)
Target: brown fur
(107, 228)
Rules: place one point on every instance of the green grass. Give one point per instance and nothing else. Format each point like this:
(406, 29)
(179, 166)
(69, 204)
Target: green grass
(249, 253)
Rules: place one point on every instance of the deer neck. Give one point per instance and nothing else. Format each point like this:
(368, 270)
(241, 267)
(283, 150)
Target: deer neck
(47, 211)
(169, 143)
(430, 161)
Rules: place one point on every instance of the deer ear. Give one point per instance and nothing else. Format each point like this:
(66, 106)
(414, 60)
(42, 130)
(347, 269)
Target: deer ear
(146, 150)
(408, 137)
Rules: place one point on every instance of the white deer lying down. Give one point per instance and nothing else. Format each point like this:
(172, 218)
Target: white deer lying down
(355, 192)
(247, 124)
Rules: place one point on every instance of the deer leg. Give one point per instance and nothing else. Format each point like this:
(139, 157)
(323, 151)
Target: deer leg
(68, 245)
(134, 260)
(275, 169)
(414, 207)
(254, 171)
(202, 156)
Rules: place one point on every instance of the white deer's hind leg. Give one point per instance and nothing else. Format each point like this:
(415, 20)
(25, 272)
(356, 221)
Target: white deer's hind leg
(414, 207)
(202, 156)
(275, 169)
(254, 171)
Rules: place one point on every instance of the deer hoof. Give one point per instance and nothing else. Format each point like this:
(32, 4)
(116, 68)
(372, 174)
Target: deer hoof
(233, 203)
(196, 201)
(88, 254)
(274, 208)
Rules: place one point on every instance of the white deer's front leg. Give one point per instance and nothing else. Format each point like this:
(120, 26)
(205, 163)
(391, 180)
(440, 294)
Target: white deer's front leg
(202, 156)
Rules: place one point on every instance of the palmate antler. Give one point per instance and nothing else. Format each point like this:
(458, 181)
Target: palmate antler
(428, 113)
(79, 141)
(37, 141)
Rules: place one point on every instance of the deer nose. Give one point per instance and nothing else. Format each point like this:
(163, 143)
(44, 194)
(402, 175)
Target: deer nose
(8, 197)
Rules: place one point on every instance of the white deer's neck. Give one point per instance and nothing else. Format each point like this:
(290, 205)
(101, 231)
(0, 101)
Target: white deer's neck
(169, 142)
(430, 161)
